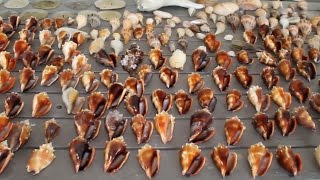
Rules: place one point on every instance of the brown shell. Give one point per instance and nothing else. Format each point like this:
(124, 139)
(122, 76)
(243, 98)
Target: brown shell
(115, 124)
(89, 82)
(149, 160)
(58, 22)
(260, 101)
(14, 20)
(5, 156)
(183, 42)
(299, 90)
(224, 159)
(207, 99)
(4, 41)
(5, 127)
(285, 122)
(168, 76)
(286, 43)
(221, 78)
(277, 33)
(109, 60)
(269, 77)
(7, 29)
(263, 30)
(13, 105)
(68, 79)
(28, 79)
(134, 86)
(27, 35)
(115, 95)
(267, 58)
(250, 37)
(41, 105)
(211, 43)
(108, 77)
(46, 23)
(297, 54)
(7, 81)
(136, 104)
(81, 153)
(280, 97)
(164, 39)
(286, 70)
(307, 69)
(201, 129)
(314, 54)
(62, 38)
(243, 76)
(183, 101)
(29, 59)
(72, 101)
(260, 159)
(115, 154)
(6, 61)
(49, 75)
(243, 57)
(51, 130)
(271, 43)
(315, 101)
(195, 82)
(79, 38)
(263, 125)
(200, 58)
(57, 61)
(191, 160)
(138, 32)
(31, 24)
(97, 104)
(141, 128)
(145, 73)
(19, 135)
(161, 100)
(156, 58)
(289, 160)
(233, 129)
(234, 102)
(223, 59)
(303, 118)
(164, 124)
(19, 47)
(45, 54)
(87, 125)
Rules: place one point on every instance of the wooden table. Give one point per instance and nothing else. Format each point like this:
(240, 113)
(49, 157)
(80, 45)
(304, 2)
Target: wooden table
(303, 140)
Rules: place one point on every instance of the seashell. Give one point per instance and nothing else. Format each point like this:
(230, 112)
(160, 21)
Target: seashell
(250, 37)
(40, 158)
(62, 37)
(243, 57)
(13, 105)
(115, 124)
(195, 82)
(145, 73)
(233, 129)
(96, 45)
(269, 78)
(231, 53)
(109, 4)
(94, 34)
(221, 78)
(31, 24)
(134, 86)
(141, 128)
(156, 58)
(223, 59)
(81, 20)
(94, 21)
(162, 14)
(68, 50)
(313, 55)
(280, 97)
(302, 116)
(19, 135)
(303, 5)
(46, 23)
(283, 53)
(45, 54)
(115, 24)
(176, 19)
(314, 101)
(6, 127)
(307, 69)
(213, 17)
(263, 30)
(234, 102)
(49, 75)
(260, 12)
(79, 64)
(297, 54)
(72, 101)
(97, 104)
(260, 159)
(225, 8)
(116, 44)
(248, 22)
(27, 78)
(102, 57)
(149, 160)
(200, 126)
(136, 104)
(249, 4)
(289, 160)
(285, 122)
(17, 4)
(68, 79)
(221, 27)
(211, 43)
(168, 76)
(298, 41)
(132, 58)
(7, 81)
(41, 104)
(263, 125)
(207, 99)
(79, 38)
(299, 90)
(89, 82)
(28, 36)
(234, 21)
(59, 22)
(46, 38)
(164, 39)
(153, 41)
(161, 100)
(286, 43)
(191, 160)
(273, 22)
(243, 76)
(6, 61)
(260, 101)
(177, 60)
(266, 58)
(87, 126)
(224, 159)
(164, 124)
(149, 25)
(305, 27)
(183, 101)
(115, 95)
(286, 69)
(183, 42)
(108, 77)
(271, 43)
(19, 47)
(284, 22)
(127, 35)
(200, 58)
(172, 46)
(51, 130)
(191, 11)
(81, 153)
(228, 37)
(138, 31)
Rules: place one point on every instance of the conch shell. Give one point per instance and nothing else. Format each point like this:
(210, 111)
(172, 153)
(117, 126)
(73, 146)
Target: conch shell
(108, 77)
(243, 76)
(6, 156)
(161, 100)
(19, 135)
(145, 73)
(149, 160)
(307, 69)
(68, 79)
(260, 101)
(263, 125)
(97, 104)
(200, 126)
(285, 122)
(195, 82)
(164, 124)
(68, 49)
(243, 57)
(223, 59)
(141, 128)
(13, 105)
(115, 95)
(49, 75)
(72, 101)
(183, 101)
(200, 58)
(7, 81)
(89, 82)
(286, 69)
(4, 41)
(224, 159)
(191, 160)
(51, 130)
(211, 43)
(266, 58)
(304, 118)
(299, 90)
(115, 124)
(134, 86)
(289, 160)
(41, 105)
(233, 128)
(221, 78)
(6, 61)
(157, 59)
(314, 101)
(5, 127)
(260, 159)
(280, 97)
(136, 104)
(87, 125)
(234, 102)
(40, 158)
(168, 76)
(178, 59)
(269, 78)
(207, 99)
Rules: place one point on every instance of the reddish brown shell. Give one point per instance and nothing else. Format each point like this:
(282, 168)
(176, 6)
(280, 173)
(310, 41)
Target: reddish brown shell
(136, 104)
(286, 43)
(156, 58)
(250, 37)
(289, 160)
(168, 76)
(6, 61)
(145, 73)
(29, 59)
(27, 78)
(115, 95)
(108, 77)
(164, 124)
(138, 32)
(87, 126)
(28, 36)
(263, 125)
(183, 101)
(221, 78)
(4, 41)
(201, 129)
(115, 124)
(280, 97)
(307, 69)
(41, 105)
(97, 104)
(31, 24)
(263, 30)
(207, 99)
(271, 43)
(200, 58)
(315, 101)
(51, 130)
(195, 82)
(191, 160)
(68, 79)
(109, 60)
(149, 160)
(7, 81)
(313, 55)
(58, 22)
(269, 77)
(260, 159)
(13, 105)
(297, 54)
(161, 100)
(5, 156)
(233, 99)
(49, 75)
(243, 76)
(141, 128)
(57, 61)
(224, 159)
(5, 127)
(19, 135)
(89, 81)
(303, 117)
(223, 59)
(14, 20)
(299, 90)
(286, 70)
(45, 53)
(46, 23)
(285, 122)
(79, 38)
(260, 101)
(134, 86)
(19, 47)
(243, 57)
(211, 43)
(267, 58)
(7, 29)
(233, 129)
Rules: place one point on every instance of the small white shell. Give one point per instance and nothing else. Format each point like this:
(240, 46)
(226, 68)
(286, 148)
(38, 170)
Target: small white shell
(228, 37)
(186, 24)
(191, 11)
(231, 53)
(171, 23)
(81, 21)
(221, 27)
(200, 35)
(149, 21)
(205, 28)
(181, 32)
(199, 21)
(294, 20)
(188, 32)
(276, 4)
(115, 24)
(158, 20)
(116, 44)
(162, 14)
(213, 17)
(202, 15)
(284, 23)
(273, 22)
(94, 34)
(96, 45)
(208, 10)
(176, 19)
(178, 59)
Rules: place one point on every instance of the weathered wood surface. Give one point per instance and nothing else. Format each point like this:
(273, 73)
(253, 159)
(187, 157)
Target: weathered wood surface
(303, 140)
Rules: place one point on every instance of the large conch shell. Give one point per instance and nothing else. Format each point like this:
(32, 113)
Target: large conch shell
(71, 100)
(201, 129)
(115, 124)
(260, 159)
(164, 124)
(87, 126)
(224, 159)
(19, 135)
(141, 128)
(40, 158)
(191, 159)
(41, 104)
(5, 127)
(13, 105)
(149, 160)
(6, 81)
(150, 5)
(289, 160)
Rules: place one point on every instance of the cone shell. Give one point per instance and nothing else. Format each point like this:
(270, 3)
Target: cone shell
(233, 129)
(149, 160)
(41, 105)
(263, 125)
(201, 129)
(260, 159)
(224, 159)
(183, 102)
(164, 124)
(40, 158)
(115, 124)
(289, 160)
(191, 160)
(286, 123)
(141, 128)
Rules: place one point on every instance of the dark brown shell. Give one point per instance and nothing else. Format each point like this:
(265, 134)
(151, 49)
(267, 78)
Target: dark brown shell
(58, 22)
(136, 104)
(221, 78)
(19, 135)
(271, 43)
(200, 58)
(79, 38)
(195, 82)
(269, 77)
(14, 20)
(81, 154)
(156, 58)
(191, 160)
(250, 37)
(243, 76)
(31, 24)
(183, 42)
(41, 105)
(149, 160)
(303, 118)
(97, 104)
(223, 59)
(211, 43)
(51, 130)
(263, 30)
(161, 100)
(243, 57)
(201, 129)
(299, 90)
(5, 156)
(233, 129)
(45, 53)
(145, 73)
(134, 86)
(115, 124)
(285, 122)
(115, 154)
(289, 160)
(141, 128)
(57, 61)
(286, 70)
(280, 97)
(207, 99)
(7, 28)
(307, 69)
(260, 159)
(183, 102)
(28, 79)
(13, 105)
(108, 77)
(49, 75)
(87, 125)
(115, 95)
(4, 41)
(138, 32)
(263, 125)
(314, 54)
(68, 79)
(29, 59)
(267, 58)
(168, 76)
(315, 101)
(277, 33)
(7, 81)
(234, 102)
(224, 159)
(109, 60)
(5, 127)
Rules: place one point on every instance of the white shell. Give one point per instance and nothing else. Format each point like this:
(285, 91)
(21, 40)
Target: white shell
(213, 17)
(208, 10)
(294, 20)
(96, 45)
(66, 49)
(276, 4)
(94, 34)
(181, 32)
(221, 27)
(151, 5)
(225, 8)
(188, 32)
(171, 23)
(200, 35)
(116, 44)
(191, 11)
(162, 14)
(115, 24)
(205, 28)
(158, 20)
(178, 59)
(231, 53)
(81, 21)
(273, 22)
(110, 4)
(284, 23)
(228, 37)
(176, 19)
